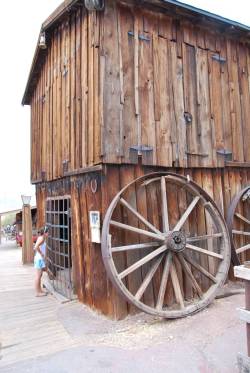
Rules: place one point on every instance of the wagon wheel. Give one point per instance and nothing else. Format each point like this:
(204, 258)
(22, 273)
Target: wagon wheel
(165, 245)
(238, 222)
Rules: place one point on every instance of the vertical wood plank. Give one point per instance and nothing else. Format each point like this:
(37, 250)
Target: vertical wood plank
(97, 271)
(54, 106)
(226, 117)
(72, 91)
(77, 243)
(216, 112)
(78, 88)
(59, 104)
(90, 141)
(127, 73)
(111, 135)
(244, 98)
(235, 107)
(96, 77)
(146, 93)
(85, 92)
(178, 126)
(190, 104)
(162, 104)
(203, 101)
(117, 306)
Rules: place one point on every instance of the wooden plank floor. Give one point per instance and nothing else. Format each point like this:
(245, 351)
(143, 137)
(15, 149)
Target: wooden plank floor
(29, 326)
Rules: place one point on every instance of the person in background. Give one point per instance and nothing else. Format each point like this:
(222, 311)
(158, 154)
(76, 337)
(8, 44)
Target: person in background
(39, 260)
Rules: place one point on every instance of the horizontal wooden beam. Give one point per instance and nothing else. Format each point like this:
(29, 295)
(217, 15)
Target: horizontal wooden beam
(237, 164)
(96, 168)
(84, 170)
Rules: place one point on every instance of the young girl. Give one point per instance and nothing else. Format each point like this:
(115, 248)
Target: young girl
(39, 260)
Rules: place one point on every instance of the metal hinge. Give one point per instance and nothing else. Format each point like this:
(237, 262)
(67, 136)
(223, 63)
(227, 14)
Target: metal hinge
(197, 154)
(227, 153)
(141, 37)
(141, 148)
(218, 58)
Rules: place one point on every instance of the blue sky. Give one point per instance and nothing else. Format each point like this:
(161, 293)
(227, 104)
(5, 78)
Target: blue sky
(21, 22)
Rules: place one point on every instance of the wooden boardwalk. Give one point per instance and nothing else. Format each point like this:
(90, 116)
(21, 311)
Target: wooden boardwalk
(29, 326)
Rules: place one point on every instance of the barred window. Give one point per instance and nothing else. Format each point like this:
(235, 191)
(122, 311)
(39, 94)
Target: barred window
(59, 260)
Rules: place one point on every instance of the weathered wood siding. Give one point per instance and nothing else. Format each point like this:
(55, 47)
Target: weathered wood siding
(91, 282)
(130, 77)
(159, 72)
(65, 108)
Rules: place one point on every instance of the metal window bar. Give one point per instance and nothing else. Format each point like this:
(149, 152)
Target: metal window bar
(59, 245)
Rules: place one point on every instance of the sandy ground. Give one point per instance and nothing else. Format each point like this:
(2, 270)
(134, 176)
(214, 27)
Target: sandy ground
(43, 335)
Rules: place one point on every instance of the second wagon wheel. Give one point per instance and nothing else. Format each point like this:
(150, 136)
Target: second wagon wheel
(238, 221)
(165, 245)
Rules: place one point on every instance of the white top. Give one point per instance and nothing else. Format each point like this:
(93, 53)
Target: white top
(43, 250)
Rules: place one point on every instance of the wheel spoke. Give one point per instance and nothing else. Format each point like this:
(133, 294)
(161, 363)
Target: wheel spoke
(186, 214)
(176, 286)
(136, 230)
(205, 237)
(164, 205)
(203, 251)
(154, 263)
(242, 218)
(139, 216)
(241, 232)
(148, 278)
(142, 261)
(164, 281)
(190, 275)
(242, 249)
(200, 268)
(146, 245)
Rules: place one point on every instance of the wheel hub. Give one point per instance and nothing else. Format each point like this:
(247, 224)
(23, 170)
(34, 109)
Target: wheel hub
(176, 241)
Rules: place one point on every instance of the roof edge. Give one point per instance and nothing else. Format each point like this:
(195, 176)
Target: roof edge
(206, 13)
(59, 12)
(67, 5)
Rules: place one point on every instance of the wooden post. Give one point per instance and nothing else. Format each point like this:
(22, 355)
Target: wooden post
(0, 229)
(243, 272)
(27, 247)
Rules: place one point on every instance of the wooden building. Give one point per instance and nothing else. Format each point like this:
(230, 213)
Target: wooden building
(19, 220)
(119, 89)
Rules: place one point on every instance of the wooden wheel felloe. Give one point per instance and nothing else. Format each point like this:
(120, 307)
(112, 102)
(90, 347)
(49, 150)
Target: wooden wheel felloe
(238, 222)
(165, 245)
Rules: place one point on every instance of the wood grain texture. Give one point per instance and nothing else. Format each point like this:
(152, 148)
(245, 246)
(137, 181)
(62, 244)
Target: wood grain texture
(129, 77)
